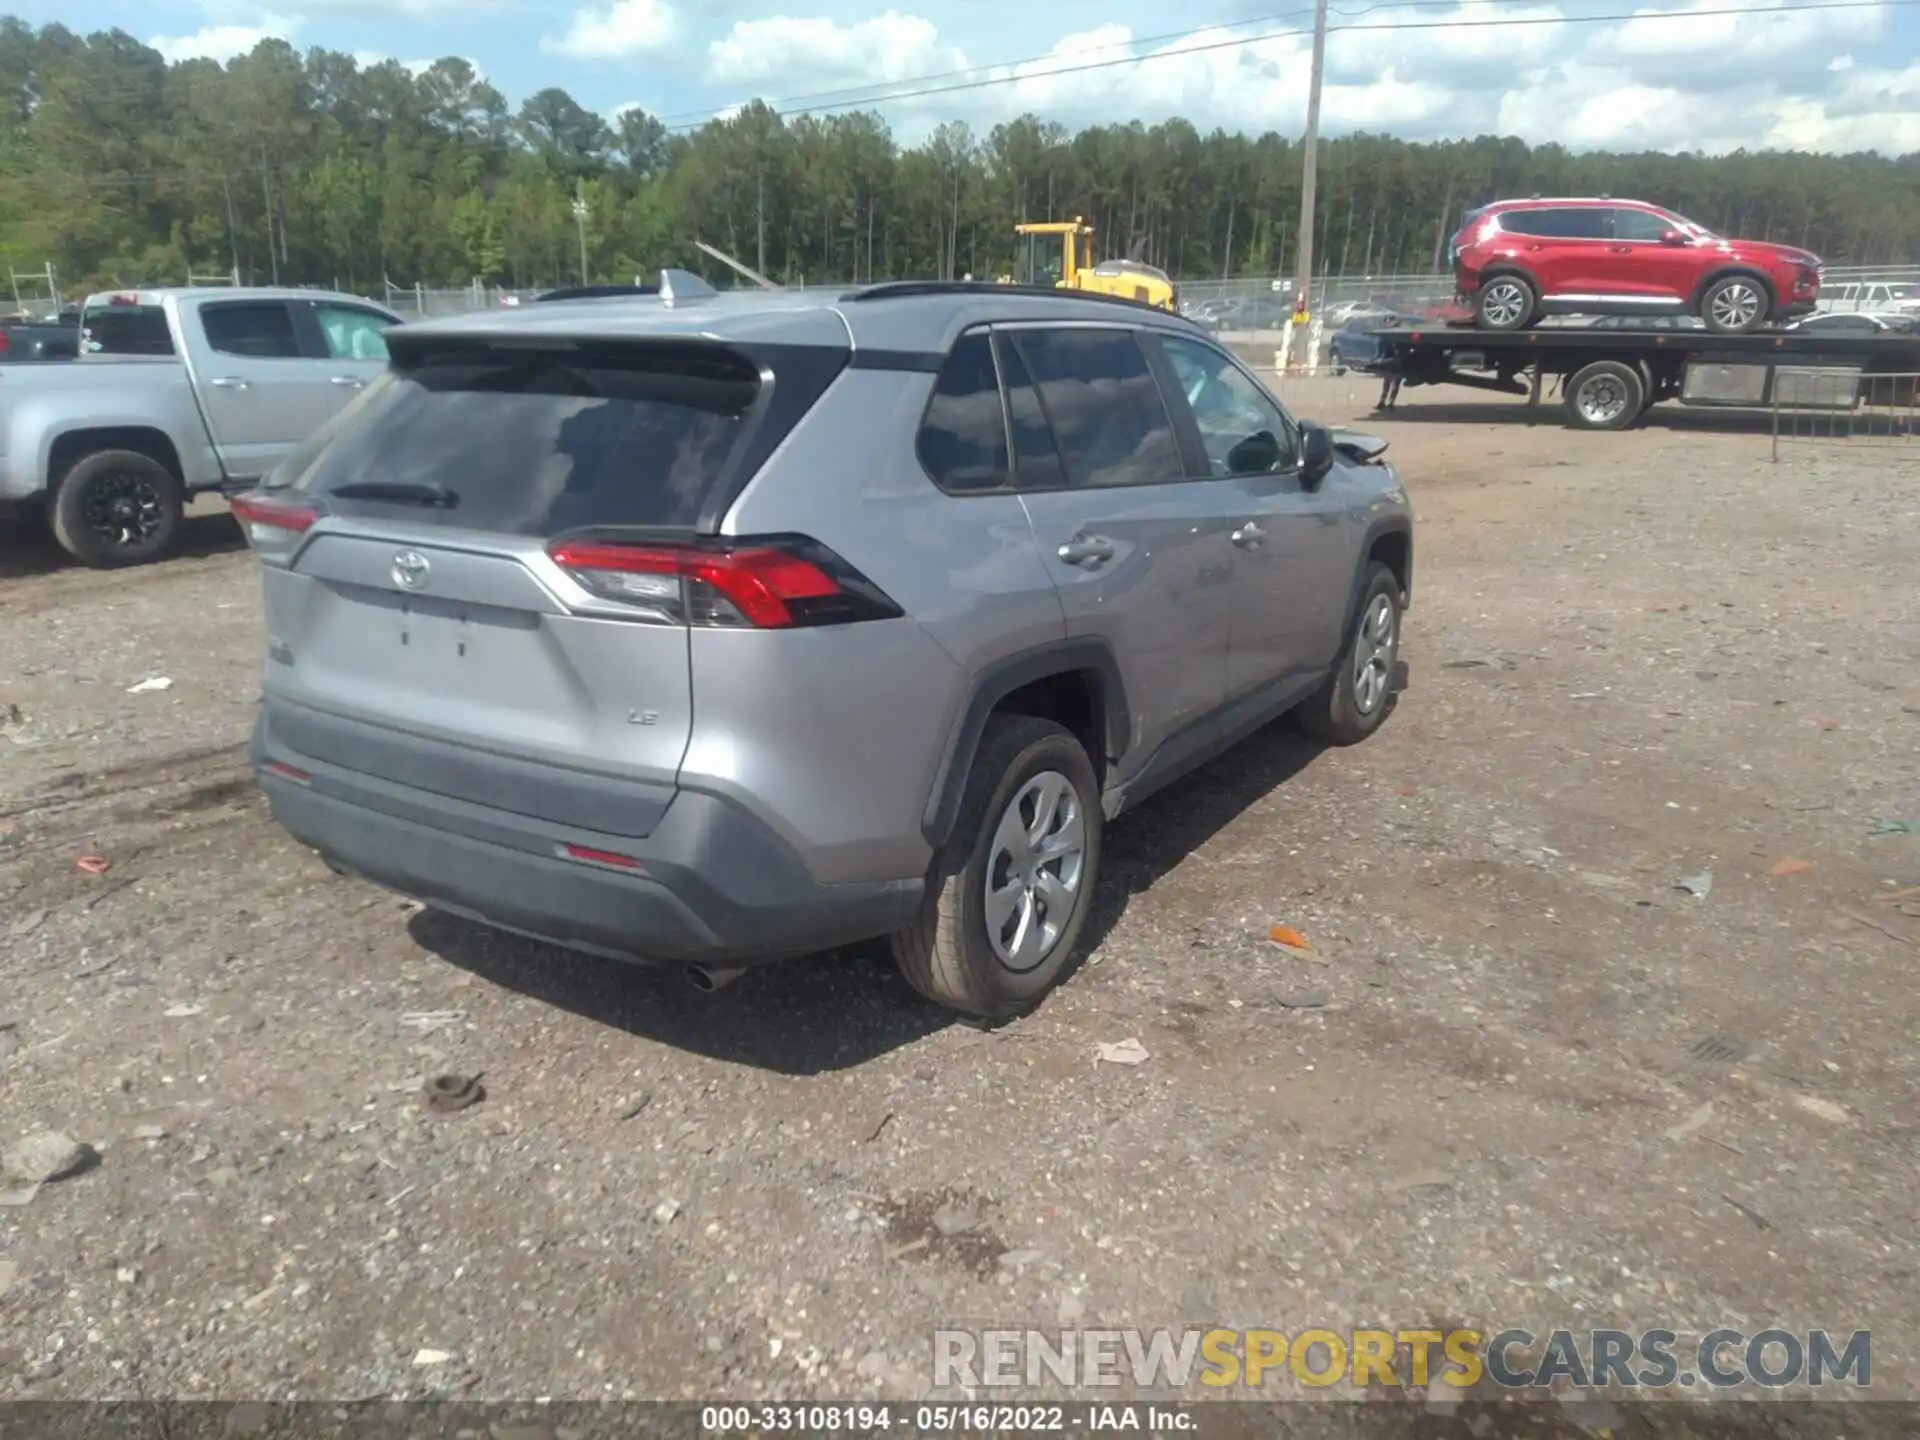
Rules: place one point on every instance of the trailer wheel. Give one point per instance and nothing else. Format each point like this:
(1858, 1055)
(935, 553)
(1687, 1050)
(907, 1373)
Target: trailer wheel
(1605, 395)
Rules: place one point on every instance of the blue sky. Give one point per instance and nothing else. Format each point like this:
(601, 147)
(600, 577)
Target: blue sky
(1680, 75)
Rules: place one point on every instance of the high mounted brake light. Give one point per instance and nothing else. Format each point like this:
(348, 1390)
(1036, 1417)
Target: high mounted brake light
(780, 583)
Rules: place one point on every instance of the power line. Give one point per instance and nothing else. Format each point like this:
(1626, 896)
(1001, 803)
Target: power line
(849, 92)
(1237, 42)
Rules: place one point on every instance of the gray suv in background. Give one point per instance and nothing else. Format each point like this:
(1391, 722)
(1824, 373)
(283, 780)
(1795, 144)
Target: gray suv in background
(712, 629)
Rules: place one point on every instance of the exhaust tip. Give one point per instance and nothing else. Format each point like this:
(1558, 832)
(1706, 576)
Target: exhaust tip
(707, 980)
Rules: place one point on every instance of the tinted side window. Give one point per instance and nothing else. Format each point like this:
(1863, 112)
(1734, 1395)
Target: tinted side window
(1103, 405)
(1639, 225)
(1036, 457)
(262, 330)
(1569, 224)
(963, 439)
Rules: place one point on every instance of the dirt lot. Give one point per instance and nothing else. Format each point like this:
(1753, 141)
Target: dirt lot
(1526, 1080)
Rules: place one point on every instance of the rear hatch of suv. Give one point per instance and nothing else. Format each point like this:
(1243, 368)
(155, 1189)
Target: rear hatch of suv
(480, 578)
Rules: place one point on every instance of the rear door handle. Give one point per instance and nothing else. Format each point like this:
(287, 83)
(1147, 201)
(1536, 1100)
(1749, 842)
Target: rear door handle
(228, 382)
(1621, 249)
(350, 382)
(1249, 536)
(1088, 550)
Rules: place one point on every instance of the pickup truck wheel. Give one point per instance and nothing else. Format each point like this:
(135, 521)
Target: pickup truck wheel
(116, 507)
(1606, 395)
(1010, 890)
(1357, 695)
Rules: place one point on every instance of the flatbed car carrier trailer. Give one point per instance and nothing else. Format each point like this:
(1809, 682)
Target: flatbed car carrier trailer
(1609, 377)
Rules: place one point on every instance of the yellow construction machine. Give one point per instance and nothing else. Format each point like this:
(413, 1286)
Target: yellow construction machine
(1073, 267)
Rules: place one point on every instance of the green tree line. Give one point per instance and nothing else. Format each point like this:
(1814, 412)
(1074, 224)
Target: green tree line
(118, 168)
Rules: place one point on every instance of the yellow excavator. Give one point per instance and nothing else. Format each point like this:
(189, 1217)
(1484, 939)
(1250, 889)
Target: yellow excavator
(1073, 268)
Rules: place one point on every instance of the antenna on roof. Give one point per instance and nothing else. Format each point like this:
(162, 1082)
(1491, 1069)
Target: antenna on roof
(679, 286)
(726, 259)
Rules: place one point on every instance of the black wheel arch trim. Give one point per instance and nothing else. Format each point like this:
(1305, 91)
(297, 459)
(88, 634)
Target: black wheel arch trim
(1384, 526)
(1080, 655)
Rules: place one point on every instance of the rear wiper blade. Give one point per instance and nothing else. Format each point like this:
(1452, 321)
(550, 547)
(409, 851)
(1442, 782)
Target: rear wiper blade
(409, 492)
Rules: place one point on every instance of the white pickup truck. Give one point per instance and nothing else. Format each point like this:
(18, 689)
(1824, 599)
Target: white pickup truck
(176, 392)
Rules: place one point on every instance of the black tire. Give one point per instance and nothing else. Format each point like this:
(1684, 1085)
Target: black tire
(116, 507)
(1605, 395)
(1505, 302)
(946, 953)
(1339, 712)
(1726, 312)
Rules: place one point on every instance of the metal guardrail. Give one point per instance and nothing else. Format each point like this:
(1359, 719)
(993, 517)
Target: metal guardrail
(1840, 410)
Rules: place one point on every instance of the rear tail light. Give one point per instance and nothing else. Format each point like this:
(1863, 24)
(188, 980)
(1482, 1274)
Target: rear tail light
(776, 583)
(272, 523)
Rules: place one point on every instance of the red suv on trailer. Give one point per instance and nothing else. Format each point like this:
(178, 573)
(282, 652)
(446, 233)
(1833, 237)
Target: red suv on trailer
(1517, 260)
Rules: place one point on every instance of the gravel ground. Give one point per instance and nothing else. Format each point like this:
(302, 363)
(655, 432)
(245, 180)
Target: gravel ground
(1523, 1080)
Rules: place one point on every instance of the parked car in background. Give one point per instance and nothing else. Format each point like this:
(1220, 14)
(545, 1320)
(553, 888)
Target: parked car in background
(175, 392)
(569, 632)
(1859, 322)
(1875, 296)
(1355, 346)
(1518, 260)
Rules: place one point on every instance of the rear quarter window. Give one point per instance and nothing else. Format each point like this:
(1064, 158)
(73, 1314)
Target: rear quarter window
(545, 442)
(125, 330)
(963, 439)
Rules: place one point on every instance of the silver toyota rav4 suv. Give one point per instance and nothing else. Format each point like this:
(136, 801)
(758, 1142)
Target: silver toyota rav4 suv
(714, 628)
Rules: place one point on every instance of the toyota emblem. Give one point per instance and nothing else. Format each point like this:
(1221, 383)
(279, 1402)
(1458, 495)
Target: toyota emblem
(410, 569)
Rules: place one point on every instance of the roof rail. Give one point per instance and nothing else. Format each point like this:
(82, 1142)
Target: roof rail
(905, 289)
(677, 287)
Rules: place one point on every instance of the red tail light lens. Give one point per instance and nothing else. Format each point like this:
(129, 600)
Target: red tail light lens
(270, 521)
(778, 583)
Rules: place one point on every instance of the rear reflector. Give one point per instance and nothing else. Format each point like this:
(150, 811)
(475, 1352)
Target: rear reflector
(600, 857)
(301, 776)
(269, 520)
(776, 583)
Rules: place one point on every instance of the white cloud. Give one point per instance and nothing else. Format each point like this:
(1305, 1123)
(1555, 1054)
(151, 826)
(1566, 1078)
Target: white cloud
(224, 42)
(367, 59)
(886, 48)
(1696, 80)
(624, 28)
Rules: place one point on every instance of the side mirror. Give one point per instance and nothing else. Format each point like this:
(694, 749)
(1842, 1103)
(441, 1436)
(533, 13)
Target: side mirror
(1316, 454)
(1673, 237)
(1258, 454)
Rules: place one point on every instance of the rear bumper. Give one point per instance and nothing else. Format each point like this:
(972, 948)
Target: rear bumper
(715, 885)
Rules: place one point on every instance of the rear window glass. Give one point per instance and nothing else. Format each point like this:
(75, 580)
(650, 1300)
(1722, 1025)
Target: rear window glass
(125, 330)
(541, 442)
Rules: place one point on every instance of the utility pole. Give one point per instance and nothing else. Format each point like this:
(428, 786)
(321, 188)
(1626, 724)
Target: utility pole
(1309, 170)
(580, 223)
